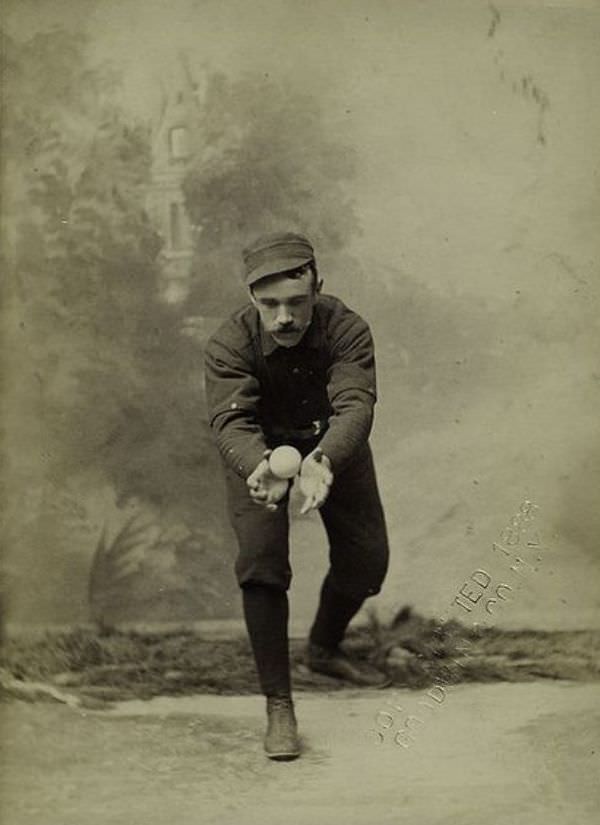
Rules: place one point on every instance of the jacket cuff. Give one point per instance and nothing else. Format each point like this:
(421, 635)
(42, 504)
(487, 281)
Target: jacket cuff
(245, 462)
(337, 451)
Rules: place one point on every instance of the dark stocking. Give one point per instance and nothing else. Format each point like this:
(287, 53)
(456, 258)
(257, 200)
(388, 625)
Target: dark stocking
(333, 616)
(266, 612)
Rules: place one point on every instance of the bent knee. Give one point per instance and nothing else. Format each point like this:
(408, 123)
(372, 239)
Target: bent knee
(252, 575)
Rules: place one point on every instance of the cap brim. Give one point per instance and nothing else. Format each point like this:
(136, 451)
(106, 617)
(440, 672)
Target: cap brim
(275, 265)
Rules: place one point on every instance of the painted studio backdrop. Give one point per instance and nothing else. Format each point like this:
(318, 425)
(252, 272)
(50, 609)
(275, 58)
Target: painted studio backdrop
(445, 164)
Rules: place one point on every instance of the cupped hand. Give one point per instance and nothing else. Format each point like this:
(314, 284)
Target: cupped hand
(316, 479)
(265, 488)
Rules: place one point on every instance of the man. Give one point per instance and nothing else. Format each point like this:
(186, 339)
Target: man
(297, 367)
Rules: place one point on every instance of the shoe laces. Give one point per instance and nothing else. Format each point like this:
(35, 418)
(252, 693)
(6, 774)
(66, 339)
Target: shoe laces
(279, 702)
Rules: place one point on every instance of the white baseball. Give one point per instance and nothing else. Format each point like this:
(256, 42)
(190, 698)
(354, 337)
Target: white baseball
(285, 462)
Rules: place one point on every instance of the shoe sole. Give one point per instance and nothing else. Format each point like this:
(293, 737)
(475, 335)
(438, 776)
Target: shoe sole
(283, 757)
(340, 678)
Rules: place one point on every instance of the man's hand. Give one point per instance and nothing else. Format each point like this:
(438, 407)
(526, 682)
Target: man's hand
(315, 480)
(264, 487)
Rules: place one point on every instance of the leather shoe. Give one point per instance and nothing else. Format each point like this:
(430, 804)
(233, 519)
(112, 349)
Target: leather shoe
(281, 740)
(337, 664)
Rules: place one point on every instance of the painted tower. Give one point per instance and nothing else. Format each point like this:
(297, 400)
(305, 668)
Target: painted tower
(175, 133)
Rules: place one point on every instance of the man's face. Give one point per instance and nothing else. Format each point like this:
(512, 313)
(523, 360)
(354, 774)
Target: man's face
(285, 306)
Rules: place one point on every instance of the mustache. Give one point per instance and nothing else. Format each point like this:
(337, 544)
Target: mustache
(291, 328)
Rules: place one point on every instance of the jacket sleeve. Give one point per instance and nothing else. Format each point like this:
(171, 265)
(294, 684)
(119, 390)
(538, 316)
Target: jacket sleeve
(352, 392)
(233, 395)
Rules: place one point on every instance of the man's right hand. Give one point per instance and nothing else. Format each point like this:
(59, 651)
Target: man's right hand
(264, 487)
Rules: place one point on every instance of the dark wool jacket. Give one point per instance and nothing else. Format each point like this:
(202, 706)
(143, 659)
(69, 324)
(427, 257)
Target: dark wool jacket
(256, 388)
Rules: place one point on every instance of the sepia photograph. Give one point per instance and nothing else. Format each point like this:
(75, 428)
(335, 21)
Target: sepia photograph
(300, 412)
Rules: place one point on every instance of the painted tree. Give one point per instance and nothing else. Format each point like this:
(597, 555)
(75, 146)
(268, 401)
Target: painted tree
(106, 380)
(264, 162)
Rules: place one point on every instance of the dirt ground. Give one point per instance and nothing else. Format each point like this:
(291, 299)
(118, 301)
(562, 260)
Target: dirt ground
(503, 753)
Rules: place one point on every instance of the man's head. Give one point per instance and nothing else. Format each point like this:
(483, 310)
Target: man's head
(282, 278)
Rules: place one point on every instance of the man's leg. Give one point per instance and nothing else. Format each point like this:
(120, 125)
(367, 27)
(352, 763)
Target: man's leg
(263, 573)
(355, 525)
(333, 615)
(266, 615)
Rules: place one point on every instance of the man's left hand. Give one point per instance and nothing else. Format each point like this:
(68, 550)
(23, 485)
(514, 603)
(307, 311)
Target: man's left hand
(316, 479)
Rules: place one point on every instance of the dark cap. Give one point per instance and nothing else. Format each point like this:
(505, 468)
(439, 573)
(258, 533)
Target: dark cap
(274, 253)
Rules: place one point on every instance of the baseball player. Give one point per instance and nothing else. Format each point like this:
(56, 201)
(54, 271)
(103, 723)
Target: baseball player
(296, 367)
